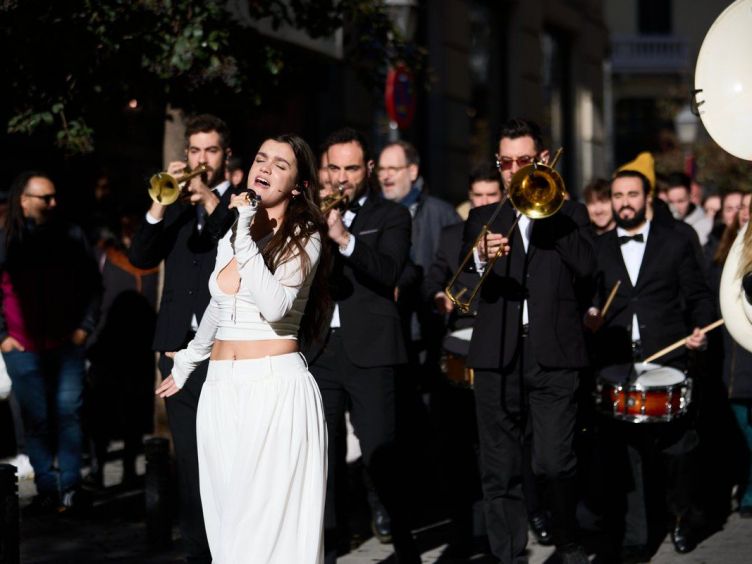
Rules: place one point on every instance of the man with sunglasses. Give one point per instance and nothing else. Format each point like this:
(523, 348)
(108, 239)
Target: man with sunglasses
(50, 292)
(527, 348)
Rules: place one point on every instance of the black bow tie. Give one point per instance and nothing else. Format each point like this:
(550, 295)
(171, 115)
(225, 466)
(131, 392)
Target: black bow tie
(354, 207)
(627, 238)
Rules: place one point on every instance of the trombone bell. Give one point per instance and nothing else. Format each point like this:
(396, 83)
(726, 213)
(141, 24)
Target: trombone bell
(536, 191)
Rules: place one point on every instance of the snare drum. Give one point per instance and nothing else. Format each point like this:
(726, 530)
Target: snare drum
(455, 348)
(643, 393)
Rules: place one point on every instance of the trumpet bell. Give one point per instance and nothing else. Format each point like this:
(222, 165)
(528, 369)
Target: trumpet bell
(164, 188)
(537, 191)
(336, 200)
(723, 80)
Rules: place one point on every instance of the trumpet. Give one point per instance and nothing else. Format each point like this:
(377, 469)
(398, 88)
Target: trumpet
(165, 188)
(536, 191)
(336, 200)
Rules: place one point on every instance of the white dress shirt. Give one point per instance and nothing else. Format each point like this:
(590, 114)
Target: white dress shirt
(632, 252)
(347, 219)
(526, 227)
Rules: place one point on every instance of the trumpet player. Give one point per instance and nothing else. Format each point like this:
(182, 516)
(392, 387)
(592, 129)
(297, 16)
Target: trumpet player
(354, 360)
(185, 236)
(526, 350)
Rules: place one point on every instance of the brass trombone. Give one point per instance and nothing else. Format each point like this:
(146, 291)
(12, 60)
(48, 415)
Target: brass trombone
(536, 191)
(165, 188)
(335, 200)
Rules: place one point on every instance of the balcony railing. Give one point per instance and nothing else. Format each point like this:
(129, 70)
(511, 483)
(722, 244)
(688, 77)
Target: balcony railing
(649, 54)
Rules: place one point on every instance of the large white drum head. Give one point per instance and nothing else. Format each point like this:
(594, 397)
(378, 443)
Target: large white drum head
(657, 376)
(736, 311)
(724, 74)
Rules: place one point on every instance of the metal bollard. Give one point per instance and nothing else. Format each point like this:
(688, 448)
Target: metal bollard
(158, 511)
(9, 529)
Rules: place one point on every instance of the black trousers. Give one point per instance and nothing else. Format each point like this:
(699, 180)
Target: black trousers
(370, 395)
(652, 471)
(526, 398)
(181, 415)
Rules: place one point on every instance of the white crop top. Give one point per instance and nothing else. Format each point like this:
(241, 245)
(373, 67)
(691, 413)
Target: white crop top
(267, 306)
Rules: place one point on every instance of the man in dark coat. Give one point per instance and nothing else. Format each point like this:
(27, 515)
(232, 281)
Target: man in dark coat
(185, 236)
(527, 348)
(354, 362)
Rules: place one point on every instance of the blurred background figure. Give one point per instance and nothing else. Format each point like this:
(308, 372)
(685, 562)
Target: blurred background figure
(712, 205)
(325, 181)
(678, 189)
(235, 173)
(120, 402)
(597, 198)
(731, 204)
(51, 292)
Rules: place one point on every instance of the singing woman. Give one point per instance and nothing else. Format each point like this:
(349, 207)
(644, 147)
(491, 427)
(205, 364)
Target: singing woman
(260, 426)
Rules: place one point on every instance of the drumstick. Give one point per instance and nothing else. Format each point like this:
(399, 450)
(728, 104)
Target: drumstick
(610, 298)
(682, 342)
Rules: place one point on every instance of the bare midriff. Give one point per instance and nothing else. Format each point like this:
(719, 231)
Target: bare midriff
(243, 350)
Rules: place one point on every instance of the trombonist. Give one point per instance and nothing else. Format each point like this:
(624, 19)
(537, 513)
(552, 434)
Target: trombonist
(185, 235)
(527, 348)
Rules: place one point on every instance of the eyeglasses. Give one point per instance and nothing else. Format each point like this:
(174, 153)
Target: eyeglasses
(46, 197)
(505, 163)
(390, 169)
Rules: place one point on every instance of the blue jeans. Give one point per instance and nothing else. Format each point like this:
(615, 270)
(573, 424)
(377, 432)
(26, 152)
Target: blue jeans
(743, 415)
(49, 388)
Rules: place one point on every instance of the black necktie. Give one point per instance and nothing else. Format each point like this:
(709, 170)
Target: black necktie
(627, 238)
(201, 212)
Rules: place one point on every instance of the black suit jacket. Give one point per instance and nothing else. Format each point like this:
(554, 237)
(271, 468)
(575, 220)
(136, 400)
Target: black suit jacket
(363, 285)
(559, 257)
(189, 261)
(671, 295)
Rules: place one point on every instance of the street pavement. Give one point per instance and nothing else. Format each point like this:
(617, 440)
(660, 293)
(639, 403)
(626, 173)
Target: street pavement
(114, 531)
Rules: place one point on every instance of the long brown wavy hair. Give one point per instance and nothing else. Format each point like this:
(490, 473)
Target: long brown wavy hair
(302, 219)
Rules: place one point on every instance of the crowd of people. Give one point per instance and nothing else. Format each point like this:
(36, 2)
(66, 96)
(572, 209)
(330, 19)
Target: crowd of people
(287, 330)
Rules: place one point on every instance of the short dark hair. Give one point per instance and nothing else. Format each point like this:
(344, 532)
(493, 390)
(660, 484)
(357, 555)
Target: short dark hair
(411, 153)
(348, 135)
(486, 172)
(206, 123)
(519, 127)
(633, 174)
(597, 190)
(676, 179)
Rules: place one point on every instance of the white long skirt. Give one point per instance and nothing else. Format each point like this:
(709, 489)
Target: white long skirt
(262, 461)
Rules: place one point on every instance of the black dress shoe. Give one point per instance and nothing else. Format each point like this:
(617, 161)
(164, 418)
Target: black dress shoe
(683, 537)
(381, 525)
(541, 528)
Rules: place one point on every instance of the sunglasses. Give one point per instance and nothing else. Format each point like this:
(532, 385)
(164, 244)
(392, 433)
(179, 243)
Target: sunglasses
(506, 163)
(47, 197)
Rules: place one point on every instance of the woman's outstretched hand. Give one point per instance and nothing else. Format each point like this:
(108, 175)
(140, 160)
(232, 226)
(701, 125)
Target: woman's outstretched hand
(167, 388)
